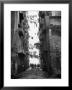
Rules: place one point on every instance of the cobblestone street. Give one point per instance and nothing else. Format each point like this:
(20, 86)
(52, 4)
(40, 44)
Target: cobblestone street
(34, 73)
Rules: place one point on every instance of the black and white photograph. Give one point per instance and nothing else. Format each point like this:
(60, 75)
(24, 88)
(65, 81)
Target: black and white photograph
(35, 44)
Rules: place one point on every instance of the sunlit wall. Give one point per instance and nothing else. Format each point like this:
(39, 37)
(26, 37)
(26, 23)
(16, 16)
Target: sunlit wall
(33, 22)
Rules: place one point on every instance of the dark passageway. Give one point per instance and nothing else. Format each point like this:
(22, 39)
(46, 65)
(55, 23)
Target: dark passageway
(45, 52)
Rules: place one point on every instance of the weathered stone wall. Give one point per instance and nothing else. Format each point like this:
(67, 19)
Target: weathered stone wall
(55, 52)
(51, 45)
(19, 45)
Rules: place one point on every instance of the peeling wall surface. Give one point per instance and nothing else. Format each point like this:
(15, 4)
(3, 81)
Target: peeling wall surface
(55, 21)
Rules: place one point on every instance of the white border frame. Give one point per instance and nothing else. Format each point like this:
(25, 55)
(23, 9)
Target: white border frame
(64, 8)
